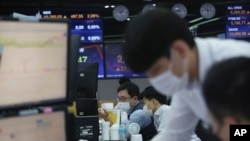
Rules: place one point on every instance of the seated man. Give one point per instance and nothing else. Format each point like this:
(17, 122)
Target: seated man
(129, 102)
(155, 104)
(226, 91)
(128, 98)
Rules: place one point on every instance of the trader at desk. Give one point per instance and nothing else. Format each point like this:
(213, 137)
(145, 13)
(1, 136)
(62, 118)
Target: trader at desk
(130, 104)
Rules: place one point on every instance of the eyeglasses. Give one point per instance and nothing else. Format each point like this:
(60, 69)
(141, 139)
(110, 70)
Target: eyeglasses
(123, 99)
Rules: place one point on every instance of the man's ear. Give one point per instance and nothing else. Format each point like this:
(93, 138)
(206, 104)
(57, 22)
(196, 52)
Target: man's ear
(135, 97)
(181, 47)
(154, 101)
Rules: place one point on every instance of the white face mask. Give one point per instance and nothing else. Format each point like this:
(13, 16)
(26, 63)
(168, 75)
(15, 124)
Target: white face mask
(124, 106)
(148, 111)
(168, 83)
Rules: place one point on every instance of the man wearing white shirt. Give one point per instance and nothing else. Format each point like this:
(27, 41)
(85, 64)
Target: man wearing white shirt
(159, 43)
(155, 105)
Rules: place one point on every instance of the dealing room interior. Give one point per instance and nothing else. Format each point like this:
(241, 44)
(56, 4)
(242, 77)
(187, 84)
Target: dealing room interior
(98, 70)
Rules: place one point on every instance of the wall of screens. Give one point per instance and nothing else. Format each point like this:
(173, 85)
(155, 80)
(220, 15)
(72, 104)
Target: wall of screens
(110, 59)
(88, 23)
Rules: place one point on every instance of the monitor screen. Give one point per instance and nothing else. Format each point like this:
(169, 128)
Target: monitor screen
(41, 127)
(114, 64)
(33, 64)
(92, 53)
(87, 23)
(238, 21)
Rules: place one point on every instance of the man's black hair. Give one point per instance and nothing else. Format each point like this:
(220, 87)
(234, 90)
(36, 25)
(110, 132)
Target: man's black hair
(226, 89)
(150, 93)
(149, 36)
(123, 80)
(132, 88)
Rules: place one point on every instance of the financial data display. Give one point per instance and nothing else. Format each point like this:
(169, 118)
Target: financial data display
(114, 65)
(41, 127)
(33, 62)
(238, 21)
(92, 53)
(86, 23)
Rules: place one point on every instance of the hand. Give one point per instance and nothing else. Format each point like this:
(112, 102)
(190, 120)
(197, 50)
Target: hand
(102, 113)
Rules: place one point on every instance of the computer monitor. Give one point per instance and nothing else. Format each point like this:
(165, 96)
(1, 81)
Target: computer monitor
(33, 62)
(115, 66)
(40, 127)
(87, 80)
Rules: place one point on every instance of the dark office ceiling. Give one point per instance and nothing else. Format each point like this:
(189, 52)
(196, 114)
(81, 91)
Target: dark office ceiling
(113, 29)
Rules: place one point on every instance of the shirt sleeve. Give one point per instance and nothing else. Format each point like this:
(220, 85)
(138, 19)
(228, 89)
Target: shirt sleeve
(141, 118)
(181, 122)
(163, 119)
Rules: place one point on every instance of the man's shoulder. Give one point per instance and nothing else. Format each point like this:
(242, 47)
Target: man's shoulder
(139, 113)
(140, 117)
(185, 91)
(163, 109)
(211, 41)
(186, 96)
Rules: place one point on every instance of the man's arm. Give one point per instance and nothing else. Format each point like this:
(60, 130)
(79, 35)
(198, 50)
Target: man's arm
(181, 121)
(163, 119)
(141, 118)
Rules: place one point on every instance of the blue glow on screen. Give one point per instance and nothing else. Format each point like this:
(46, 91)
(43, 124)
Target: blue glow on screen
(238, 21)
(115, 66)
